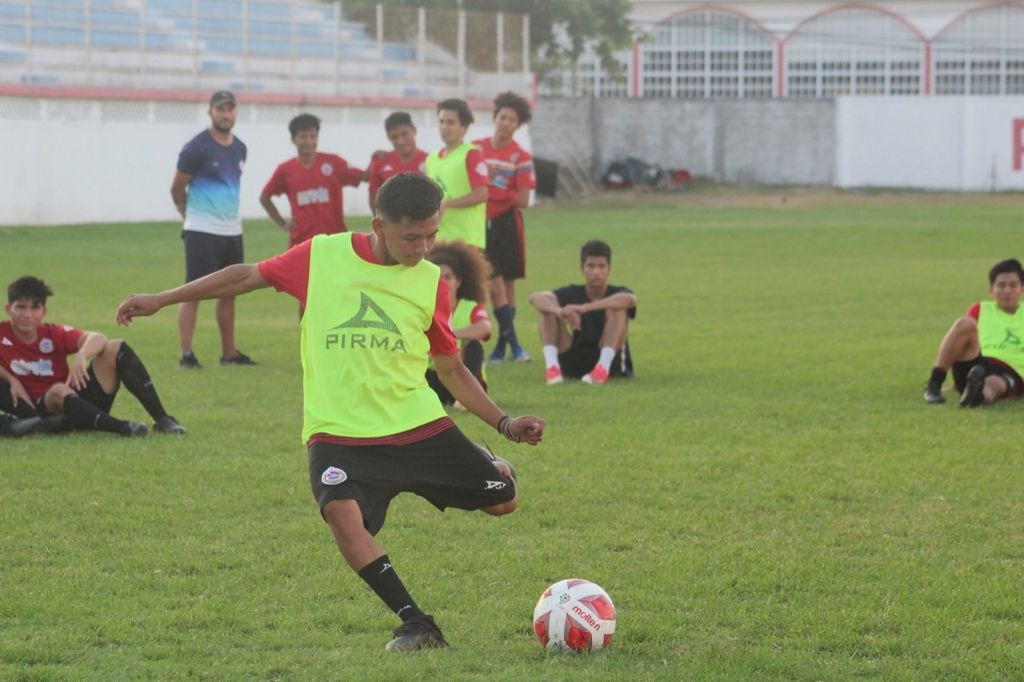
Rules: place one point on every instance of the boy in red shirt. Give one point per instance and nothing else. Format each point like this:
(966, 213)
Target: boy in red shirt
(405, 157)
(510, 171)
(313, 182)
(37, 379)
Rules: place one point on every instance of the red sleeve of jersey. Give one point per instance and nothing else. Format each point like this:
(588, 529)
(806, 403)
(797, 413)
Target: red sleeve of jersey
(479, 313)
(68, 338)
(289, 272)
(442, 338)
(525, 176)
(974, 310)
(476, 168)
(374, 177)
(277, 184)
(350, 176)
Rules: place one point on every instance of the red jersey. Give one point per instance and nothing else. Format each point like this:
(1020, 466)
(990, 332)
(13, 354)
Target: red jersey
(314, 194)
(391, 165)
(42, 363)
(510, 169)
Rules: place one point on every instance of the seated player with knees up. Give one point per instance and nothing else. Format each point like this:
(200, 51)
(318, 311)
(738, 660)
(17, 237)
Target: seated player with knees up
(584, 328)
(465, 270)
(38, 380)
(985, 348)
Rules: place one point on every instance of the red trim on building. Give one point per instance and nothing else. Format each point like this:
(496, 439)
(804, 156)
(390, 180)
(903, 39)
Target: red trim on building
(52, 92)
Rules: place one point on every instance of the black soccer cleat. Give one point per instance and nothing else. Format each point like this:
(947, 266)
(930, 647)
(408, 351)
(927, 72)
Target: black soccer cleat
(133, 430)
(933, 394)
(189, 361)
(168, 424)
(239, 358)
(16, 428)
(974, 390)
(419, 633)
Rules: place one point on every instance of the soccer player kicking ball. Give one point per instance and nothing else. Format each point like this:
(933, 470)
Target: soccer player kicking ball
(375, 309)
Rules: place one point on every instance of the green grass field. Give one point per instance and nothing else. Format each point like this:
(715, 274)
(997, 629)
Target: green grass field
(769, 499)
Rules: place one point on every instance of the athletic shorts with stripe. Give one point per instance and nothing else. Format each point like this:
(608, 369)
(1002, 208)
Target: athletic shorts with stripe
(447, 470)
(506, 245)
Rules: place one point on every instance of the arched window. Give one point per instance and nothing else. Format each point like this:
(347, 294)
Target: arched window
(707, 54)
(854, 51)
(981, 53)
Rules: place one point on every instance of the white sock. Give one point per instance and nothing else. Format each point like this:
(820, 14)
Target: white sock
(551, 356)
(607, 355)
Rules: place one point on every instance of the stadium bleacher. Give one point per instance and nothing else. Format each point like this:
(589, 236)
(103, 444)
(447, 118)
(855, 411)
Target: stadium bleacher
(255, 45)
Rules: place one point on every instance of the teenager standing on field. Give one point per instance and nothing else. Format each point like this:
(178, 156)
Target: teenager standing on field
(510, 169)
(460, 170)
(375, 310)
(313, 181)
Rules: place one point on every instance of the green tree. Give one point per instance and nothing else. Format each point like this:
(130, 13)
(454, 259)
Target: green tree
(560, 30)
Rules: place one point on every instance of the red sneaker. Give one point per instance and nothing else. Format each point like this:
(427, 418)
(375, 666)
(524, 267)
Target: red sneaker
(553, 374)
(597, 376)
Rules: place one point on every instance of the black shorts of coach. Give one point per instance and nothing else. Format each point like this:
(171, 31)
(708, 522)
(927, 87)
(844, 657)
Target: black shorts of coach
(506, 245)
(206, 253)
(992, 367)
(447, 470)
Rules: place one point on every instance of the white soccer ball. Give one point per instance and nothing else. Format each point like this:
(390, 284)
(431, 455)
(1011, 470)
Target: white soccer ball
(574, 614)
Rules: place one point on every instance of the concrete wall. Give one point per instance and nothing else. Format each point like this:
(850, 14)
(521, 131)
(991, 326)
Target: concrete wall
(735, 141)
(953, 143)
(85, 161)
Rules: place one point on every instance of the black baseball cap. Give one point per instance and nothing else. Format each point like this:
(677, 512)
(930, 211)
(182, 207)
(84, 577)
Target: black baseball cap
(220, 97)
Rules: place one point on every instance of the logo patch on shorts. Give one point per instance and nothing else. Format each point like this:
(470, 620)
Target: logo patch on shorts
(333, 476)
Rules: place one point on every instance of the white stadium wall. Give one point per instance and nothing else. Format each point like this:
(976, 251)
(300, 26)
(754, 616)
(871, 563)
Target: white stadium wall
(87, 161)
(950, 143)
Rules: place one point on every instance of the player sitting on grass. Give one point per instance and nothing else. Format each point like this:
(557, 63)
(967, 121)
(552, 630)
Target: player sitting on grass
(985, 348)
(375, 309)
(38, 380)
(584, 328)
(464, 269)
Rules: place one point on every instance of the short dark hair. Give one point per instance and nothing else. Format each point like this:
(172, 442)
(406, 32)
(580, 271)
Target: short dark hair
(408, 196)
(28, 287)
(398, 118)
(459, 107)
(515, 102)
(1010, 265)
(595, 247)
(303, 122)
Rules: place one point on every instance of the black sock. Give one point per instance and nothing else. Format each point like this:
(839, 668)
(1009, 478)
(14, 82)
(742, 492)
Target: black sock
(938, 376)
(21, 410)
(510, 335)
(504, 317)
(381, 577)
(136, 379)
(81, 414)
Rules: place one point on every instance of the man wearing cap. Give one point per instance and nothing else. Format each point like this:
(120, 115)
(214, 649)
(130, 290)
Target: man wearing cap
(205, 191)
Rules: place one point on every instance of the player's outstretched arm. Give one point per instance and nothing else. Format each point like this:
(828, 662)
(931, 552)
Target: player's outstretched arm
(467, 390)
(233, 280)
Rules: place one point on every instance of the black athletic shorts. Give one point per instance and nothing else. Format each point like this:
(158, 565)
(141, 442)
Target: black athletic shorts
(581, 357)
(447, 470)
(206, 253)
(92, 393)
(992, 367)
(506, 245)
